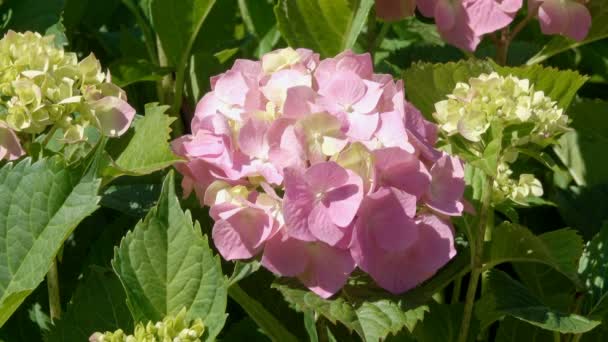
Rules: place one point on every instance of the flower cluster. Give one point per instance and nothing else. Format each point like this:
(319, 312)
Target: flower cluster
(320, 166)
(41, 86)
(170, 329)
(463, 23)
(473, 107)
(488, 100)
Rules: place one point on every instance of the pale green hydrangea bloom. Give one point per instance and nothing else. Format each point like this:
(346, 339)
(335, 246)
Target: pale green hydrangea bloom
(473, 107)
(519, 191)
(43, 86)
(171, 329)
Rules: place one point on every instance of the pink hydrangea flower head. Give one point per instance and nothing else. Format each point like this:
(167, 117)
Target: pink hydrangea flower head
(319, 167)
(462, 23)
(569, 18)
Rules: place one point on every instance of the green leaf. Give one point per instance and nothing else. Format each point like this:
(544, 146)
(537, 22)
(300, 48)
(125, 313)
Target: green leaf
(131, 70)
(514, 330)
(98, 304)
(165, 264)
(31, 15)
(442, 324)
(177, 24)
(593, 268)
(243, 269)
(427, 83)
(578, 149)
(148, 150)
(133, 196)
(598, 31)
(325, 26)
(559, 85)
(559, 249)
(505, 296)
(369, 310)
(489, 161)
(40, 205)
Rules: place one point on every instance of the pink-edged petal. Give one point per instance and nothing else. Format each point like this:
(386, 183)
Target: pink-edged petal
(325, 176)
(252, 138)
(322, 227)
(344, 88)
(488, 16)
(553, 17)
(297, 205)
(241, 233)
(395, 10)
(400, 169)
(392, 133)
(231, 88)
(362, 126)
(10, 148)
(214, 123)
(298, 102)
(275, 89)
(343, 202)
(285, 256)
(114, 115)
(328, 269)
(360, 64)
(579, 21)
(447, 188)
(369, 101)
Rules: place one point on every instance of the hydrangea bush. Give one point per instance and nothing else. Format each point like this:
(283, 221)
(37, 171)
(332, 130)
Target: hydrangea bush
(323, 170)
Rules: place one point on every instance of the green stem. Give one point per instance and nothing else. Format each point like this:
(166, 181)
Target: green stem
(456, 291)
(477, 260)
(556, 337)
(264, 319)
(52, 281)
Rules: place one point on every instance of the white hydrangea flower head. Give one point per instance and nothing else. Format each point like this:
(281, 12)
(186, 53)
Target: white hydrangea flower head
(474, 106)
(519, 191)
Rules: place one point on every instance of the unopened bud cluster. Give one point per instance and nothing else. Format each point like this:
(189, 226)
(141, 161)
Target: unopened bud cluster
(41, 86)
(171, 329)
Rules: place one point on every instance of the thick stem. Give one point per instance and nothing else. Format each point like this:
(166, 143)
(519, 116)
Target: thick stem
(264, 319)
(52, 281)
(456, 291)
(477, 260)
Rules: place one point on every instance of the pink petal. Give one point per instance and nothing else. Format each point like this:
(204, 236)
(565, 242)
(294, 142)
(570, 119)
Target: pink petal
(445, 14)
(114, 115)
(447, 188)
(427, 7)
(369, 101)
(360, 64)
(328, 269)
(285, 256)
(298, 102)
(392, 131)
(400, 169)
(325, 176)
(344, 88)
(579, 21)
(362, 126)
(241, 233)
(252, 138)
(343, 202)
(231, 88)
(10, 148)
(322, 227)
(553, 17)
(297, 205)
(488, 16)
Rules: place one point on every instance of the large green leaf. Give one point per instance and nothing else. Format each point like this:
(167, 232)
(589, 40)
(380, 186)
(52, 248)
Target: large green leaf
(177, 24)
(132, 70)
(147, 150)
(442, 324)
(559, 249)
(325, 26)
(97, 305)
(506, 296)
(593, 268)
(165, 264)
(40, 205)
(427, 83)
(578, 149)
(370, 311)
(514, 330)
(598, 30)
(559, 85)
